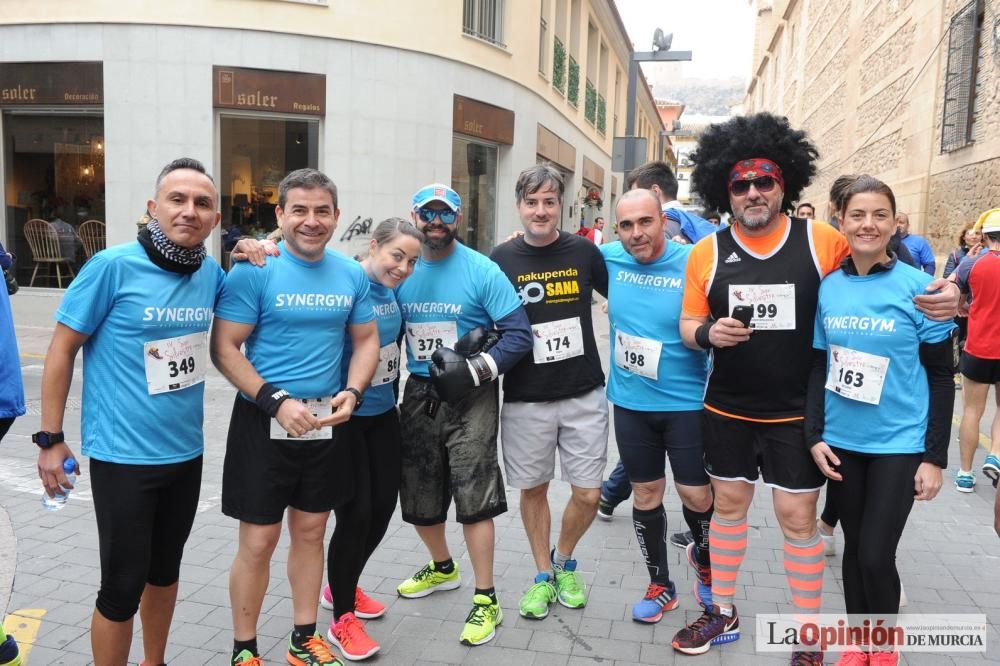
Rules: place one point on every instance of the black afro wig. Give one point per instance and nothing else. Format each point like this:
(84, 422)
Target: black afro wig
(745, 137)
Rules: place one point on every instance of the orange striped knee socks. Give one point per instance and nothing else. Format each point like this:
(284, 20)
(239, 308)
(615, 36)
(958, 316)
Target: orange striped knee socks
(727, 544)
(804, 570)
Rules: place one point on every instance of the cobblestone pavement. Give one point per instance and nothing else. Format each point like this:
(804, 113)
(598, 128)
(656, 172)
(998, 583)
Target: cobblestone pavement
(949, 561)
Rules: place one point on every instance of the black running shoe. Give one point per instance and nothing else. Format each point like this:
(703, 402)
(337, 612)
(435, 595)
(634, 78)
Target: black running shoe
(681, 539)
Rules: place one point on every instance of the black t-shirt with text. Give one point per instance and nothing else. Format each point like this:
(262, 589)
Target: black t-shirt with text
(555, 284)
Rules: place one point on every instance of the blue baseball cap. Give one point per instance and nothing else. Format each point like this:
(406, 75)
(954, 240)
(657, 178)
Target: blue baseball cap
(437, 192)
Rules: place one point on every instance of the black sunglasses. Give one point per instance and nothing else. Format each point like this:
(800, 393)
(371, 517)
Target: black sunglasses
(762, 183)
(446, 215)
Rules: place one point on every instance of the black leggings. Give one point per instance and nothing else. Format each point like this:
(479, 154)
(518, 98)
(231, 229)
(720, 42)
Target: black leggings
(874, 501)
(5, 425)
(144, 517)
(362, 522)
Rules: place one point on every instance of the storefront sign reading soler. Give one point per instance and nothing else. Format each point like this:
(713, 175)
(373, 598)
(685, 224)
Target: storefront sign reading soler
(51, 83)
(268, 90)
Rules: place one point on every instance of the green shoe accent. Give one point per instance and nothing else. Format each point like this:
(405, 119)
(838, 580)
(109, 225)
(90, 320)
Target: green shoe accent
(572, 590)
(429, 580)
(314, 651)
(483, 620)
(535, 602)
(246, 658)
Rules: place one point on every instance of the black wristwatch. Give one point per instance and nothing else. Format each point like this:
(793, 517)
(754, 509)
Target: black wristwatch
(46, 440)
(359, 399)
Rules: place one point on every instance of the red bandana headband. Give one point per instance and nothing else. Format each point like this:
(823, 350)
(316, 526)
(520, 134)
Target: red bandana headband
(755, 168)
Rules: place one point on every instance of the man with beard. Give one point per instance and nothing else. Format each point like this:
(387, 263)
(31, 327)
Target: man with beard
(765, 269)
(554, 397)
(449, 415)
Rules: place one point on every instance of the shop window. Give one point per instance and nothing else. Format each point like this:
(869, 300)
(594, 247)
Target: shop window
(54, 166)
(256, 154)
(474, 177)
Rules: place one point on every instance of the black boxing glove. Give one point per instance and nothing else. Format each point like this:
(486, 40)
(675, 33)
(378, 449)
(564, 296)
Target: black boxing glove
(454, 376)
(476, 341)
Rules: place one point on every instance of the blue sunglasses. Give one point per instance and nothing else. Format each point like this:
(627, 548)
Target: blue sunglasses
(427, 215)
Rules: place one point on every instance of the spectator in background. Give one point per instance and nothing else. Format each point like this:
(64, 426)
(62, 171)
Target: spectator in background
(806, 211)
(713, 216)
(970, 242)
(681, 226)
(596, 234)
(69, 240)
(918, 246)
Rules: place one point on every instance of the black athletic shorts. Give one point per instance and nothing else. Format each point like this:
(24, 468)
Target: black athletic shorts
(980, 370)
(261, 477)
(647, 439)
(739, 450)
(144, 516)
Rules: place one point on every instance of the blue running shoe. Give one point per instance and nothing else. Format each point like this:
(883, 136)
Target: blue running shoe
(991, 468)
(703, 579)
(657, 601)
(965, 482)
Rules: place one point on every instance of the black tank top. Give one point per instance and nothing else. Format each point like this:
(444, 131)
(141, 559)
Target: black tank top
(765, 377)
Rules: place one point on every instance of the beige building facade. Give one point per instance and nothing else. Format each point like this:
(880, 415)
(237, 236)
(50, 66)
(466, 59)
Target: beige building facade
(906, 90)
(385, 96)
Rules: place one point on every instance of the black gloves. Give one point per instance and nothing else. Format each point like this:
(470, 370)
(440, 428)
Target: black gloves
(456, 372)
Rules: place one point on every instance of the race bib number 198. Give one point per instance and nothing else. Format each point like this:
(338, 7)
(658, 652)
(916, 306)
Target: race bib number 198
(175, 363)
(640, 356)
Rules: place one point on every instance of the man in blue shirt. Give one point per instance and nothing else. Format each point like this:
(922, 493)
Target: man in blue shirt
(141, 311)
(450, 414)
(656, 385)
(681, 226)
(282, 452)
(923, 255)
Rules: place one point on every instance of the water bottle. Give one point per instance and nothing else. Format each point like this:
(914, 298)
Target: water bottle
(59, 501)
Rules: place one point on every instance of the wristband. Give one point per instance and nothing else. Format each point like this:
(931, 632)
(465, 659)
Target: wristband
(701, 336)
(269, 398)
(484, 368)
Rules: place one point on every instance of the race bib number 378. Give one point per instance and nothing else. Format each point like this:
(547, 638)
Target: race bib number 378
(423, 338)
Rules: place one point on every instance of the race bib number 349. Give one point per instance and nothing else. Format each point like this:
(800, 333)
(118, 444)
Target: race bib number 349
(175, 363)
(773, 304)
(856, 375)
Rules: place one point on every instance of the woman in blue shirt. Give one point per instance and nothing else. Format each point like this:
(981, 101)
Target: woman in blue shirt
(373, 431)
(880, 401)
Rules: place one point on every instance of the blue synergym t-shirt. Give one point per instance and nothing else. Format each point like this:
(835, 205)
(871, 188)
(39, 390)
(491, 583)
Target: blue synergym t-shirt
(132, 309)
(381, 394)
(444, 300)
(872, 334)
(651, 369)
(300, 311)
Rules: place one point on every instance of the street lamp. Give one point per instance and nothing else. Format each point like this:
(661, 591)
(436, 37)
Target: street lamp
(661, 53)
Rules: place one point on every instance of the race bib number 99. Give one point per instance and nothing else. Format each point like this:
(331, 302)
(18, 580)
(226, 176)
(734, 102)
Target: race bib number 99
(773, 304)
(557, 340)
(175, 363)
(423, 338)
(640, 356)
(856, 375)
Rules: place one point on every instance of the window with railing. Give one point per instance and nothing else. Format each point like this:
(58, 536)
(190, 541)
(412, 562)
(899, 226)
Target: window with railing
(543, 39)
(960, 84)
(484, 19)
